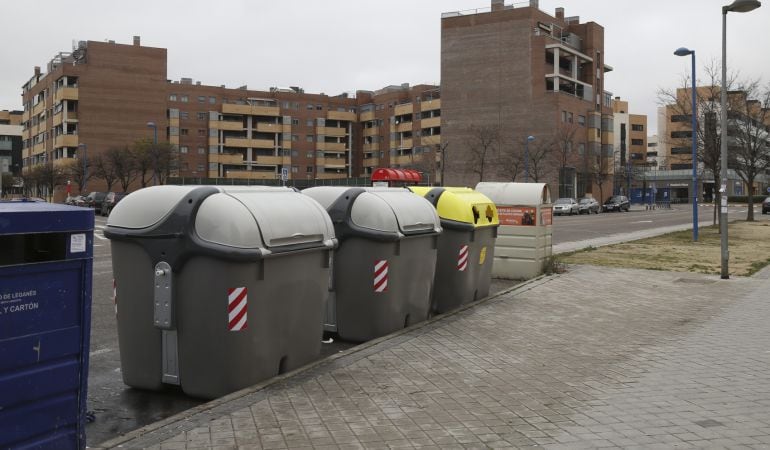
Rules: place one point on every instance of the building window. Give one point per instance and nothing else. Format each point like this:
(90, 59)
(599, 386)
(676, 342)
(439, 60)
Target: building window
(172, 97)
(294, 138)
(201, 99)
(202, 132)
(309, 123)
(309, 169)
(201, 150)
(637, 127)
(309, 106)
(295, 121)
(309, 138)
(200, 167)
(637, 141)
(184, 131)
(681, 134)
(294, 169)
(582, 121)
(564, 116)
(184, 115)
(183, 149)
(294, 153)
(319, 107)
(309, 155)
(202, 115)
(681, 118)
(212, 100)
(680, 150)
(184, 99)
(569, 117)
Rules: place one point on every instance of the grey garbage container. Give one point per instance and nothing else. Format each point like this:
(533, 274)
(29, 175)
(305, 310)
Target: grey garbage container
(218, 288)
(466, 246)
(384, 266)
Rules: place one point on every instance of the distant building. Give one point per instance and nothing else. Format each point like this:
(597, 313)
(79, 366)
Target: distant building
(10, 142)
(516, 71)
(630, 144)
(89, 100)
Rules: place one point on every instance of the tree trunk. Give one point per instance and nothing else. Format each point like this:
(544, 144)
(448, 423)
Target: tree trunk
(750, 214)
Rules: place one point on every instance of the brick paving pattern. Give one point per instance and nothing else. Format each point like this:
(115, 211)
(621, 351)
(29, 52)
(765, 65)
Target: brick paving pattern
(592, 358)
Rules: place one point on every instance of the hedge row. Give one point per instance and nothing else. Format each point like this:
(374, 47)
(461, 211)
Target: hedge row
(745, 198)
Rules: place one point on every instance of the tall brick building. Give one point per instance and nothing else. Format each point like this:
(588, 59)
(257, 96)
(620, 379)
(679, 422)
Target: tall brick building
(510, 72)
(104, 94)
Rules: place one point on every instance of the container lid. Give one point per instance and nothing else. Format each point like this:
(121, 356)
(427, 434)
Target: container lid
(388, 210)
(526, 194)
(266, 216)
(147, 207)
(394, 209)
(24, 217)
(463, 205)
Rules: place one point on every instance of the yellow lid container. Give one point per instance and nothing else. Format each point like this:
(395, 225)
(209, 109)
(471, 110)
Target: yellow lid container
(460, 205)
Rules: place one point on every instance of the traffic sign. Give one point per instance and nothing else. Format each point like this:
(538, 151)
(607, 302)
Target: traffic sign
(284, 174)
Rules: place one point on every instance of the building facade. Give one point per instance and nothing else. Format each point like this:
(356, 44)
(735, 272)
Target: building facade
(10, 142)
(630, 145)
(535, 83)
(89, 101)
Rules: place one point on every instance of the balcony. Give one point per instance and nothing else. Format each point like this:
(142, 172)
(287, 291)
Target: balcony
(431, 140)
(250, 110)
(38, 148)
(401, 160)
(25, 115)
(57, 119)
(37, 109)
(72, 116)
(430, 122)
(333, 131)
(374, 131)
(332, 146)
(249, 143)
(66, 93)
(371, 162)
(406, 108)
(270, 160)
(229, 125)
(404, 126)
(366, 116)
(251, 174)
(330, 176)
(225, 158)
(331, 163)
(264, 127)
(341, 115)
(430, 105)
(404, 143)
(66, 140)
(373, 147)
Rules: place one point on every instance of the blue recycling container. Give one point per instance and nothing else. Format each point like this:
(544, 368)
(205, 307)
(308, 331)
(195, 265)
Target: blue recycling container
(46, 257)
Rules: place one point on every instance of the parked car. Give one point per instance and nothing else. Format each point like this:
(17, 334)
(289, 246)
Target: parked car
(110, 201)
(588, 206)
(766, 205)
(618, 203)
(95, 199)
(565, 206)
(77, 200)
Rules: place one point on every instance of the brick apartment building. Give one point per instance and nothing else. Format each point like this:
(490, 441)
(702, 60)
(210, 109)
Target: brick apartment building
(630, 145)
(104, 94)
(520, 72)
(10, 142)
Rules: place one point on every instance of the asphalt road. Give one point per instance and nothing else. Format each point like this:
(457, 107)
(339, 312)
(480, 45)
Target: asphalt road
(119, 409)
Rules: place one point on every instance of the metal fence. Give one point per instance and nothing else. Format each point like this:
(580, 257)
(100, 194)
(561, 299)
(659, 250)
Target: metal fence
(298, 183)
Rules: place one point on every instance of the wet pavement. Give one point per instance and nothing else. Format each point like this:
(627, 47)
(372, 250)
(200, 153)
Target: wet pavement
(644, 359)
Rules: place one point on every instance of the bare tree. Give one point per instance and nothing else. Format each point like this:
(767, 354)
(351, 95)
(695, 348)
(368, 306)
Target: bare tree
(165, 160)
(511, 162)
(563, 153)
(46, 177)
(122, 162)
(104, 170)
(482, 144)
(539, 154)
(78, 172)
(598, 171)
(707, 102)
(443, 149)
(144, 153)
(748, 127)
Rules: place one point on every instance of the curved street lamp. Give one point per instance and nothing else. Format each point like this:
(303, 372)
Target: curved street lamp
(526, 157)
(682, 51)
(736, 6)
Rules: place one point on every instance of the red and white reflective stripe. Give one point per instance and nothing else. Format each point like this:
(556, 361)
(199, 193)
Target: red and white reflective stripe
(381, 275)
(237, 302)
(462, 258)
(115, 295)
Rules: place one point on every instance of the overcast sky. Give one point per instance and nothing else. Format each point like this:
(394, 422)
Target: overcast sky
(336, 46)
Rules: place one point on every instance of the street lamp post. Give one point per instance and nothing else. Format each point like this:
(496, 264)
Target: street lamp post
(154, 127)
(526, 157)
(85, 167)
(736, 6)
(681, 51)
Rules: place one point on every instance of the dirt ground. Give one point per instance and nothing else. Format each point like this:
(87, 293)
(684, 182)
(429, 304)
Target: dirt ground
(748, 242)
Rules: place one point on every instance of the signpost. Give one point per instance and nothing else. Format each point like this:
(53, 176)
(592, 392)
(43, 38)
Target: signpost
(284, 175)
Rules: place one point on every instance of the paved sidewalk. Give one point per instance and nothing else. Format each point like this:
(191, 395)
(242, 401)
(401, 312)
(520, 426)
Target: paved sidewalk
(591, 358)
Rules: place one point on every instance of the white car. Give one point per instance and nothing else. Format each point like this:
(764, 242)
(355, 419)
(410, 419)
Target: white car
(565, 206)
